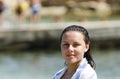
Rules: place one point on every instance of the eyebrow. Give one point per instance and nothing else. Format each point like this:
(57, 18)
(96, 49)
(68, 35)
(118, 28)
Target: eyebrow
(64, 41)
(67, 42)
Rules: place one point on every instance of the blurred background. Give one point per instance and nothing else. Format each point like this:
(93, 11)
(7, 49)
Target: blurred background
(30, 31)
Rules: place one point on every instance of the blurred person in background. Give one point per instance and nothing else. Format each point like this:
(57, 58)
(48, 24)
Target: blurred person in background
(75, 48)
(2, 8)
(4, 24)
(20, 9)
(103, 9)
(35, 6)
(70, 4)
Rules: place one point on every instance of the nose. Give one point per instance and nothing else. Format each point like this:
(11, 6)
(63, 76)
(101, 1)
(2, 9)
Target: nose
(70, 48)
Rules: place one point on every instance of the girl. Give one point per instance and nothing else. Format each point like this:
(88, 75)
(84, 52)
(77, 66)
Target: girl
(75, 47)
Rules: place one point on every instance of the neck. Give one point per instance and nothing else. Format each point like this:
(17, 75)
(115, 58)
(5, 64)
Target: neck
(72, 67)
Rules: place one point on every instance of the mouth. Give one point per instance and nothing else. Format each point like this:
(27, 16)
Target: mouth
(70, 55)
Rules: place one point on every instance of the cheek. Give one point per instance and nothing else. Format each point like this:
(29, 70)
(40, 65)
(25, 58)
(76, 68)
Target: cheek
(80, 56)
(63, 51)
(80, 53)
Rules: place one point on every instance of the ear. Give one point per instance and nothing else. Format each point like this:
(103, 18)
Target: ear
(86, 47)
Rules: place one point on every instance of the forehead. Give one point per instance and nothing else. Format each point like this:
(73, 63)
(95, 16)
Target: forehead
(73, 35)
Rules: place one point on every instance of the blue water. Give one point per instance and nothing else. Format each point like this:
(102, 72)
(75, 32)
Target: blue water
(43, 65)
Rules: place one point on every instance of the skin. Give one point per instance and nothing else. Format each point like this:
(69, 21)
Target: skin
(73, 48)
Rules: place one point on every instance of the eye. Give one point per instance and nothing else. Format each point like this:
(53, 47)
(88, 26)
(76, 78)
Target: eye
(65, 45)
(76, 45)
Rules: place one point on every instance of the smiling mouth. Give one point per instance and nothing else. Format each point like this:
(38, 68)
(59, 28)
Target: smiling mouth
(70, 55)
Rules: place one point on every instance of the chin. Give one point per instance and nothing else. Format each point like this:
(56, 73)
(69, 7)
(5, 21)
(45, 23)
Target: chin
(72, 62)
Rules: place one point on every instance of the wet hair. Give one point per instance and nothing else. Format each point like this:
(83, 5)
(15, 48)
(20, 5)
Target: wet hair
(82, 30)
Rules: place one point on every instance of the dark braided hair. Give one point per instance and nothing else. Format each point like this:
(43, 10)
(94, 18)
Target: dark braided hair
(82, 30)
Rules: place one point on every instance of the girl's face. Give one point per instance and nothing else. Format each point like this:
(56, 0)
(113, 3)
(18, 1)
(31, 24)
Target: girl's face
(73, 47)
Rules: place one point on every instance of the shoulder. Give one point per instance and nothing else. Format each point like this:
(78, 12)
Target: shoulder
(59, 73)
(88, 73)
(85, 71)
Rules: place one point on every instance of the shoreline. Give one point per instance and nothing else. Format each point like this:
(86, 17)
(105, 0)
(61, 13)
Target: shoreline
(104, 34)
